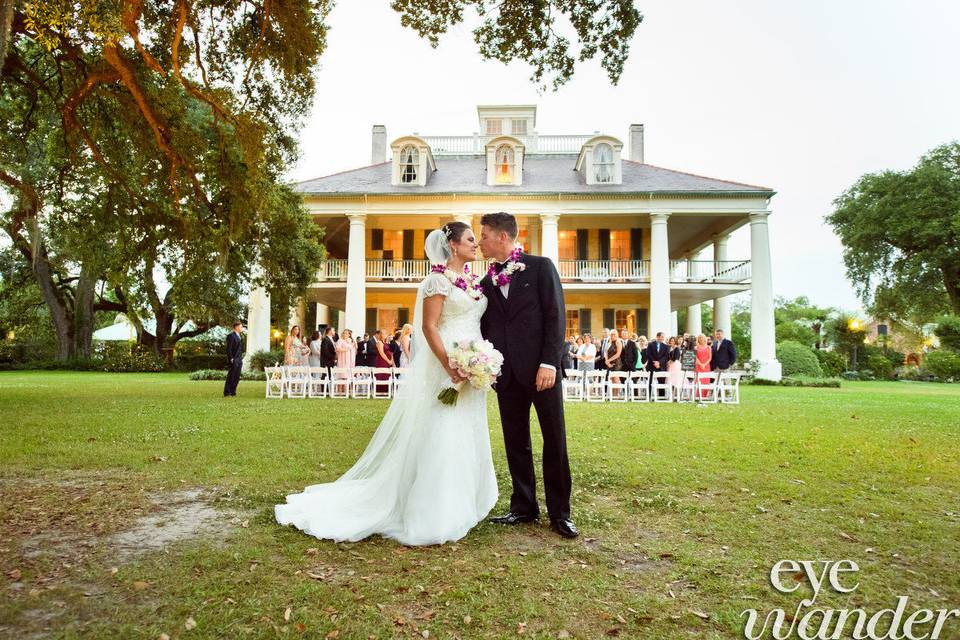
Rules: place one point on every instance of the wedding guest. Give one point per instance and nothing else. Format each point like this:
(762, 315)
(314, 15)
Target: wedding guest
(362, 346)
(587, 354)
(612, 357)
(642, 349)
(723, 352)
(395, 347)
(630, 355)
(674, 366)
(371, 357)
(234, 360)
(405, 344)
(604, 344)
(293, 347)
(383, 357)
(658, 356)
(328, 351)
(346, 350)
(703, 364)
(315, 349)
(304, 352)
(569, 349)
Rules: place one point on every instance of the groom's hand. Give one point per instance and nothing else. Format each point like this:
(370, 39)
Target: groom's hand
(546, 378)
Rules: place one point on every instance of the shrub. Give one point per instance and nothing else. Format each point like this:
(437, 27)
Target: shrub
(797, 359)
(880, 366)
(850, 375)
(262, 359)
(127, 360)
(943, 364)
(220, 374)
(832, 363)
(807, 381)
(948, 331)
(196, 362)
(912, 372)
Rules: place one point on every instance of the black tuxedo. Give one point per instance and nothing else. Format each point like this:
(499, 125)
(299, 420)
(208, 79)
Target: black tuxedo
(629, 355)
(528, 328)
(722, 354)
(657, 352)
(234, 362)
(328, 352)
(371, 359)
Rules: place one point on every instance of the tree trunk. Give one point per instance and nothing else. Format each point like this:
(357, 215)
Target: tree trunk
(83, 312)
(62, 324)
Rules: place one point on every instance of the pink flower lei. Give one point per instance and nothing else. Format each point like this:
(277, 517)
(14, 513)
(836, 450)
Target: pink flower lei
(465, 281)
(512, 265)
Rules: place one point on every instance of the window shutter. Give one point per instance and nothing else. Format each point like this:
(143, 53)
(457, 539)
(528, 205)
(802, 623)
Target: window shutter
(608, 319)
(604, 244)
(407, 244)
(403, 317)
(642, 322)
(376, 239)
(371, 320)
(636, 244)
(582, 244)
(585, 321)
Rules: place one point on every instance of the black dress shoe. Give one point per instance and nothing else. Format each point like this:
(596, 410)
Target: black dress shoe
(565, 528)
(513, 518)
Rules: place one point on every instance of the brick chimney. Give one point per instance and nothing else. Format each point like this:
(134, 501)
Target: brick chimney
(636, 142)
(378, 152)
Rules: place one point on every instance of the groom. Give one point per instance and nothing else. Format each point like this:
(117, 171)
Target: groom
(526, 321)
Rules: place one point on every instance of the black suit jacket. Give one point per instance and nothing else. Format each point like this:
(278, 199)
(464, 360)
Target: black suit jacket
(234, 347)
(371, 360)
(328, 352)
(657, 352)
(723, 354)
(528, 326)
(629, 355)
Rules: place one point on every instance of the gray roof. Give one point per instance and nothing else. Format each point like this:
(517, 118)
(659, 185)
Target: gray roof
(542, 174)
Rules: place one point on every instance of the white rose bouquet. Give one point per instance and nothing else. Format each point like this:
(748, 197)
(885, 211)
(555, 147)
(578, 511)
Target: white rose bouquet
(475, 360)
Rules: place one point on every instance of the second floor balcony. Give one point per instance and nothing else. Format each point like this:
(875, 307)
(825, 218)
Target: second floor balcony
(571, 271)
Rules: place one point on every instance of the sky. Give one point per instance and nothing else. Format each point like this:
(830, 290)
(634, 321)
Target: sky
(803, 97)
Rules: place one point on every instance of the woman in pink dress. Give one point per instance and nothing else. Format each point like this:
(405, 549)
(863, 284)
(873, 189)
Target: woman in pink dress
(702, 364)
(346, 350)
(673, 366)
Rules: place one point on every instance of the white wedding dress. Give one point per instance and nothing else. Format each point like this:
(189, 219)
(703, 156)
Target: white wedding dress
(426, 477)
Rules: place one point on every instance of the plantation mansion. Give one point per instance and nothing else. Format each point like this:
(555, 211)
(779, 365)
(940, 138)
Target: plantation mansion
(626, 236)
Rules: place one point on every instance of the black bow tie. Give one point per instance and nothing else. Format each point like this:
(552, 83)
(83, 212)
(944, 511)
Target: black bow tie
(499, 266)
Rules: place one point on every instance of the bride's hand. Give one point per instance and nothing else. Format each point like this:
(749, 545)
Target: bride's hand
(454, 374)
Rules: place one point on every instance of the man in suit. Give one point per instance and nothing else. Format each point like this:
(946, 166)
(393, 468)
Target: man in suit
(630, 352)
(602, 350)
(525, 320)
(234, 360)
(723, 352)
(362, 344)
(658, 356)
(328, 352)
(371, 360)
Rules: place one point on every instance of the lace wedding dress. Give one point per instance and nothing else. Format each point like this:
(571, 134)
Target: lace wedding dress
(426, 477)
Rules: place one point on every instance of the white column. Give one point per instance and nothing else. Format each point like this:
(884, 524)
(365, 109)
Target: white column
(342, 323)
(298, 312)
(356, 307)
(762, 333)
(659, 274)
(550, 237)
(721, 306)
(674, 323)
(258, 323)
(694, 324)
(323, 316)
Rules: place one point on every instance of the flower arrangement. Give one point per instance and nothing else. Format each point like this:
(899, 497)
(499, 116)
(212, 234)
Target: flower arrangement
(466, 280)
(511, 266)
(475, 360)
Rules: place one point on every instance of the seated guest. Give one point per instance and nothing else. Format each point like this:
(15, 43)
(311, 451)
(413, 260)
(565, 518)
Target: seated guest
(723, 352)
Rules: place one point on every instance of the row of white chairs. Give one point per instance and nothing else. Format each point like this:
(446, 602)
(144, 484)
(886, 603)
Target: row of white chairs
(639, 386)
(335, 382)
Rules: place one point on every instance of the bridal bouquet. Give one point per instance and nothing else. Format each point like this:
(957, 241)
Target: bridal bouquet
(475, 360)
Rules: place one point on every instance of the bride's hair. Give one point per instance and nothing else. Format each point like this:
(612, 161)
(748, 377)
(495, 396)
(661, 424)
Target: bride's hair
(453, 231)
(437, 245)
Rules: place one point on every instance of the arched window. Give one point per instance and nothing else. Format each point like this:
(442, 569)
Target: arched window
(504, 164)
(603, 162)
(409, 163)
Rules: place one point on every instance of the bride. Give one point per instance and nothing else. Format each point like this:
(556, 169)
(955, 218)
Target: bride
(426, 477)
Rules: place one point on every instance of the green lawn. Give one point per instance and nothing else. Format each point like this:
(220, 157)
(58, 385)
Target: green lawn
(682, 511)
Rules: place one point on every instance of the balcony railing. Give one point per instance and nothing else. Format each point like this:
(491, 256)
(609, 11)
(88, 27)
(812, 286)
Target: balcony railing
(533, 143)
(587, 271)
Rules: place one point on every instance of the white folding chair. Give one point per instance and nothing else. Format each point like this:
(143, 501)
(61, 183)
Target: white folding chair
(707, 387)
(729, 387)
(639, 386)
(276, 382)
(661, 389)
(687, 388)
(319, 383)
(297, 381)
(399, 381)
(595, 385)
(617, 386)
(340, 384)
(382, 388)
(362, 384)
(572, 385)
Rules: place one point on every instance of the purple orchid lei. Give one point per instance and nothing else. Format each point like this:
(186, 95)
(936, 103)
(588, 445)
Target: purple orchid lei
(465, 281)
(512, 265)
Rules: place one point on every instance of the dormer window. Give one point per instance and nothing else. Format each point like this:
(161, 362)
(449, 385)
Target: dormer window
(518, 127)
(494, 126)
(505, 164)
(409, 163)
(599, 161)
(413, 162)
(603, 162)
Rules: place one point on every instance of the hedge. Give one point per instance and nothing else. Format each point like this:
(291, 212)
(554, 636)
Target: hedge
(797, 359)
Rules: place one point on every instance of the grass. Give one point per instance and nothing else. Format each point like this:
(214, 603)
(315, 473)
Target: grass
(682, 511)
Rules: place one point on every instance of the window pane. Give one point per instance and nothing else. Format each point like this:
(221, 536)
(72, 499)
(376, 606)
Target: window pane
(620, 244)
(494, 127)
(519, 127)
(573, 322)
(568, 245)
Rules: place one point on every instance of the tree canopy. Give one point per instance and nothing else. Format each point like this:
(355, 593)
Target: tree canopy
(901, 236)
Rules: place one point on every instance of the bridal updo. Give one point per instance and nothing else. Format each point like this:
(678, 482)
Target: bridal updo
(438, 246)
